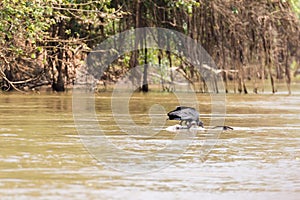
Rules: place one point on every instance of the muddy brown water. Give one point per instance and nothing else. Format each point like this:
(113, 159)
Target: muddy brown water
(43, 157)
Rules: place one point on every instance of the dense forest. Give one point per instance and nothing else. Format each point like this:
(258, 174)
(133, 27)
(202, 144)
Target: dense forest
(254, 43)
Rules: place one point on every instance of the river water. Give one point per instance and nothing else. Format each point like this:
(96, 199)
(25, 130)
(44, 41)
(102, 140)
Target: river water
(43, 156)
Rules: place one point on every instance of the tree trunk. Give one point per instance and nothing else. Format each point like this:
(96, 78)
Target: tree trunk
(58, 84)
(135, 54)
(287, 71)
(145, 87)
(172, 87)
(9, 75)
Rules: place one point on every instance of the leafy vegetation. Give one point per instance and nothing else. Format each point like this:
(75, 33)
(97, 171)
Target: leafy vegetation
(43, 42)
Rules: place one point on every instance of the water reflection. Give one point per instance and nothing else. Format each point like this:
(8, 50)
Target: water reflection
(42, 156)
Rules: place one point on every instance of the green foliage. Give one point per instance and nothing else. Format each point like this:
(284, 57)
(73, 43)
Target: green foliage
(187, 5)
(59, 28)
(296, 6)
(24, 17)
(21, 21)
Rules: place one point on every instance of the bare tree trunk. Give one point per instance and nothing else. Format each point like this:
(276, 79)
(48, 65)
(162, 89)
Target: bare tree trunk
(287, 70)
(133, 62)
(8, 73)
(170, 64)
(160, 53)
(235, 77)
(263, 76)
(271, 79)
(145, 87)
(254, 77)
(58, 83)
